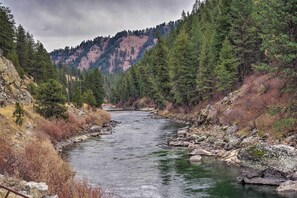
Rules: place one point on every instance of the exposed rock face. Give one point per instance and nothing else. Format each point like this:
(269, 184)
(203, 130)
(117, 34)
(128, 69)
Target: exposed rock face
(12, 87)
(111, 54)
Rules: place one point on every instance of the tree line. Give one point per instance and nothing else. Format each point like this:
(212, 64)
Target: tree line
(212, 50)
(53, 85)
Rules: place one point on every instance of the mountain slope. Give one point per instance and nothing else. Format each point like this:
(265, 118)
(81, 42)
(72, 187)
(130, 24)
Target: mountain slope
(111, 54)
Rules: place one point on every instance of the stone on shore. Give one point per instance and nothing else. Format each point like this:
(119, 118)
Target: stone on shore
(201, 152)
(288, 186)
(196, 158)
(37, 190)
(95, 128)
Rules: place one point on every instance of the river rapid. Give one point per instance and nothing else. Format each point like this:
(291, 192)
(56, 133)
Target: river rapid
(135, 162)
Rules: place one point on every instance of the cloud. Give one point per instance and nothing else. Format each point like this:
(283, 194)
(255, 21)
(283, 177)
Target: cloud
(60, 23)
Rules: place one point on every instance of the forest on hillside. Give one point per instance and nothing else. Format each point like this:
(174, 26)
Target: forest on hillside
(31, 59)
(212, 51)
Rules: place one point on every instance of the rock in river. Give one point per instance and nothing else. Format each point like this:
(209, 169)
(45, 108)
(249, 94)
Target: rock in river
(196, 158)
(288, 186)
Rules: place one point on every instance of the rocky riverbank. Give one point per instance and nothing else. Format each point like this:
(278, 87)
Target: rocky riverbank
(264, 160)
(93, 131)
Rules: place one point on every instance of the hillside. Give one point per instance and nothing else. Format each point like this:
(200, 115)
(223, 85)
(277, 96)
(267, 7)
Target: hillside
(111, 54)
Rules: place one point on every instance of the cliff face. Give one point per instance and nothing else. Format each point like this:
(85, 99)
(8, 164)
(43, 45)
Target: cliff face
(12, 87)
(111, 54)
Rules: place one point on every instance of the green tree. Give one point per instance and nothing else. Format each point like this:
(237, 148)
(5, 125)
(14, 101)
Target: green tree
(207, 62)
(182, 80)
(160, 62)
(226, 70)
(7, 30)
(21, 46)
(19, 114)
(50, 100)
(88, 97)
(244, 36)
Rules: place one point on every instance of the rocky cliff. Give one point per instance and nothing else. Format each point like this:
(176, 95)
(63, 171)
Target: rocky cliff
(12, 87)
(111, 54)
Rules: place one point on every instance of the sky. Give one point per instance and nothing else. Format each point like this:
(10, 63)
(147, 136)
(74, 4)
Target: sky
(61, 23)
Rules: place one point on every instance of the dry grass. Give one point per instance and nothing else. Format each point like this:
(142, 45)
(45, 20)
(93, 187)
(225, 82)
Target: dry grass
(31, 156)
(257, 94)
(41, 162)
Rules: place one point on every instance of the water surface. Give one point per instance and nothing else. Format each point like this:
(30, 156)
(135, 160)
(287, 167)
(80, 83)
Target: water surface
(135, 162)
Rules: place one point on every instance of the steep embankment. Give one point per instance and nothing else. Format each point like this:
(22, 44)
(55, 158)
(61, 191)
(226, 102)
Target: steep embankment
(111, 54)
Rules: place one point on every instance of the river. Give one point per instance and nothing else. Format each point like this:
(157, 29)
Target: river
(135, 162)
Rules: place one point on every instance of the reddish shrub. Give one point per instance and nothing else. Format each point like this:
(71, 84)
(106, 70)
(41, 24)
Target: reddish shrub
(40, 162)
(7, 157)
(79, 189)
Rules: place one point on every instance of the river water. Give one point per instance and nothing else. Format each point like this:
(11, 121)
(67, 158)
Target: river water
(135, 162)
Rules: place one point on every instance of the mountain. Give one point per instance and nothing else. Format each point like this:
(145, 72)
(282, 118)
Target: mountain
(111, 54)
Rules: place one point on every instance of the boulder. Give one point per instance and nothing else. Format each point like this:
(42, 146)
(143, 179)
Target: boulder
(182, 133)
(201, 152)
(196, 158)
(288, 186)
(268, 176)
(232, 129)
(37, 190)
(95, 128)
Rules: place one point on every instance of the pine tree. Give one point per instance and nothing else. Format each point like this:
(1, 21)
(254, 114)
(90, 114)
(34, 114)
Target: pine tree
(50, 100)
(244, 37)
(95, 82)
(7, 30)
(226, 70)
(207, 63)
(21, 46)
(19, 114)
(160, 62)
(182, 82)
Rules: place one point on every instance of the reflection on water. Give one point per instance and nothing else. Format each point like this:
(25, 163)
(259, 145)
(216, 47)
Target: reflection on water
(136, 162)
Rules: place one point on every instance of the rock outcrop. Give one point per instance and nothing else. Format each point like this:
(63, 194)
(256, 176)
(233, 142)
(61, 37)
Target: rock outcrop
(12, 87)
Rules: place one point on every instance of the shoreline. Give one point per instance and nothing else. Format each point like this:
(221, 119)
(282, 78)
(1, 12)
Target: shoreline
(91, 132)
(261, 163)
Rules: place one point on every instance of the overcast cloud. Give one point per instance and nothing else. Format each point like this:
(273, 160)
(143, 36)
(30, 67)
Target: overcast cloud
(60, 23)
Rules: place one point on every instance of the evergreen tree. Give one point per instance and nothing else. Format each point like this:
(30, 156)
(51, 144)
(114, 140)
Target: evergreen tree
(207, 63)
(244, 37)
(226, 70)
(160, 62)
(88, 98)
(50, 100)
(19, 114)
(182, 82)
(21, 46)
(94, 81)
(7, 30)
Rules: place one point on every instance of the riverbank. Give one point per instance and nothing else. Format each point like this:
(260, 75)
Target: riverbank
(246, 138)
(93, 131)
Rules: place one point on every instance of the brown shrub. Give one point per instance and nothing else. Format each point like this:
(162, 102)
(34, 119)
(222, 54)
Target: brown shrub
(7, 157)
(258, 93)
(40, 162)
(59, 129)
(79, 189)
